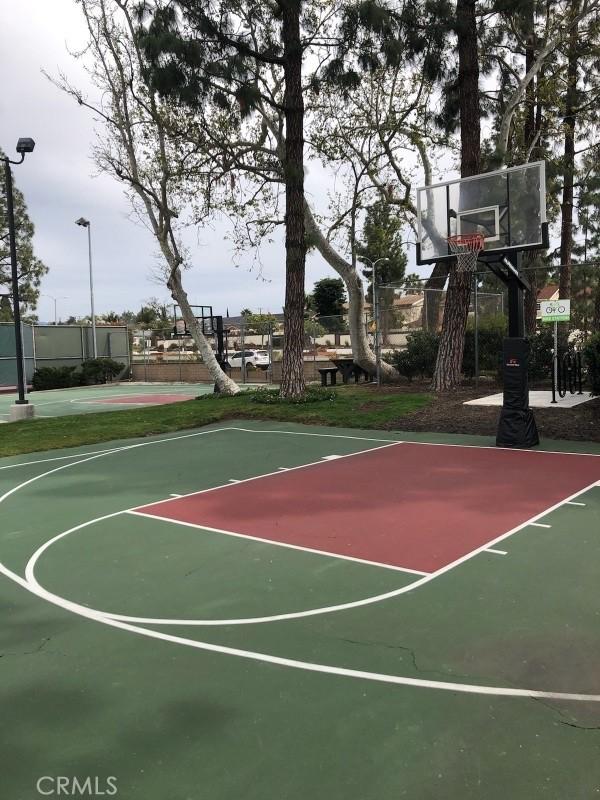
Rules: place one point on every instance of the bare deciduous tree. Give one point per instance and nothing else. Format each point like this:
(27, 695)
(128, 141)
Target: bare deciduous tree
(161, 174)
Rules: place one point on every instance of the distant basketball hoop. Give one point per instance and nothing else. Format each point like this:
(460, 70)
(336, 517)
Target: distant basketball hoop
(466, 247)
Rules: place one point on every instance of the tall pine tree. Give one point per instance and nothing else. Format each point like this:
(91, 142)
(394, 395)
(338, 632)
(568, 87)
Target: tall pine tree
(31, 269)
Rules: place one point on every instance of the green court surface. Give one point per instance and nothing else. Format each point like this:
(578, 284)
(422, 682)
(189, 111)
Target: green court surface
(206, 662)
(108, 397)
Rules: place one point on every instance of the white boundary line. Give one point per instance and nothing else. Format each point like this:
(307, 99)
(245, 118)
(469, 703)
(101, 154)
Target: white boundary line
(99, 454)
(34, 588)
(58, 458)
(278, 471)
(262, 540)
(30, 568)
(428, 444)
(496, 552)
(187, 436)
(307, 666)
(298, 433)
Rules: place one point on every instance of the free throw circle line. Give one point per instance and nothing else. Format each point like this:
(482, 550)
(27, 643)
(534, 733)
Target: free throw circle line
(465, 688)
(88, 613)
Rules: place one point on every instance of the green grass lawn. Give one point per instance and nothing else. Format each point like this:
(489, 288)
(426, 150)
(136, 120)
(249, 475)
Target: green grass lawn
(351, 407)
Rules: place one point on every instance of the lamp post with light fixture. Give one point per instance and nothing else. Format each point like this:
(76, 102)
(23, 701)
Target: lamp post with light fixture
(85, 223)
(55, 299)
(376, 313)
(22, 409)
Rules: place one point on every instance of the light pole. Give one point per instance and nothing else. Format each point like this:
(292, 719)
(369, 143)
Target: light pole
(62, 297)
(85, 223)
(24, 146)
(376, 314)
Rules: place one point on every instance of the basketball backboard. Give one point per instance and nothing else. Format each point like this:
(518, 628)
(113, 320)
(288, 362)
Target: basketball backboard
(204, 318)
(507, 206)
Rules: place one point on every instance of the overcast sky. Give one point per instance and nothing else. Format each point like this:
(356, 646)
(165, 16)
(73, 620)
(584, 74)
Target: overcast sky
(60, 184)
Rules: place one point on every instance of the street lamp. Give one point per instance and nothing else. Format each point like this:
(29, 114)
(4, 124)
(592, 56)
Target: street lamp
(376, 314)
(22, 408)
(85, 223)
(62, 297)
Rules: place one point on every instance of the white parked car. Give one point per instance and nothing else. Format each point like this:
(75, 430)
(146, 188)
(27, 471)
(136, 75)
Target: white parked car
(254, 359)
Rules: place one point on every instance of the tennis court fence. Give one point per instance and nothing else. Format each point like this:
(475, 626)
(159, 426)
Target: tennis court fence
(59, 345)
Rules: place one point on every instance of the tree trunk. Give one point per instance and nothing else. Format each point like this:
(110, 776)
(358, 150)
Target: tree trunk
(362, 352)
(529, 261)
(566, 228)
(292, 376)
(468, 88)
(452, 340)
(224, 383)
(531, 130)
(448, 365)
(596, 317)
(433, 295)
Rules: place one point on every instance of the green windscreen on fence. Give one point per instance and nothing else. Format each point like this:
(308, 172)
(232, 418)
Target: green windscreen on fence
(59, 345)
(8, 363)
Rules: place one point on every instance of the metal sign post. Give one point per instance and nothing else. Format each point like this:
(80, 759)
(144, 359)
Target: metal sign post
(555, 362)
(555, 311)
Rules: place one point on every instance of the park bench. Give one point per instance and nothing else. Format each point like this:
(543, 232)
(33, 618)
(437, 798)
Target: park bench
(331, 372)
(350, 369)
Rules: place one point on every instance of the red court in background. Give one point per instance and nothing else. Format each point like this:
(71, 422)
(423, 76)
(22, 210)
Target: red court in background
(408, 505)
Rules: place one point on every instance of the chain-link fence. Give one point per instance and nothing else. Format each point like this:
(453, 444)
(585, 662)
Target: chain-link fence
(415, 314)
(251, 353)
(252, 348)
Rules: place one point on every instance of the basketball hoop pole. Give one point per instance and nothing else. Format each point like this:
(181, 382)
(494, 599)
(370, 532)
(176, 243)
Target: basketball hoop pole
(476, 330)
(460, 218)
(516, 427)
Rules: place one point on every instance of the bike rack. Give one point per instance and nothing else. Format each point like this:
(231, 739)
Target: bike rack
(567, 374)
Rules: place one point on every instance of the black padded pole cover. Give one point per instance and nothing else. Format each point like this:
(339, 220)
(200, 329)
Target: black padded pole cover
(516, 427)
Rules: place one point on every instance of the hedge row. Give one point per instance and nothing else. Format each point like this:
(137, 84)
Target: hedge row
(92, 371)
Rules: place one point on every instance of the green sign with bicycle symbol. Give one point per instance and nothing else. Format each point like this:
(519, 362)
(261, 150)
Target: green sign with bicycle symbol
(555, 310)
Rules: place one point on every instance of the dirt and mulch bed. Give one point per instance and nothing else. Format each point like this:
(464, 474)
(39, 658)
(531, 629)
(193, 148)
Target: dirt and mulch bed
(447, 414)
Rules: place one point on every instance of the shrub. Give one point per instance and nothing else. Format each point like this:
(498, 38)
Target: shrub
(540, 353)
(313, 394)
(591, 354)
(100, 370)
(418, 358)
(491, 335)
(491, 332)
(405, 364)
(55, 378)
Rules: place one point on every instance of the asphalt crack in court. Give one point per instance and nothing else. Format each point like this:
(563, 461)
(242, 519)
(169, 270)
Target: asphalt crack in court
(28, 652)
(412, 654)
(563, 713)
(446, 675)
(580, 727)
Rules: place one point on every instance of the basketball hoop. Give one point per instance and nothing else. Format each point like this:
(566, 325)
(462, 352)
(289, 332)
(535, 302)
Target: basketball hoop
(466, 247)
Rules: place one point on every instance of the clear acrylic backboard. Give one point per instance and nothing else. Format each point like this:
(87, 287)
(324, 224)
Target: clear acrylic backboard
(507, 206)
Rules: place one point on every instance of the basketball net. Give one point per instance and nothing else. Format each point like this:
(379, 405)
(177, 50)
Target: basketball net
(466, 247)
